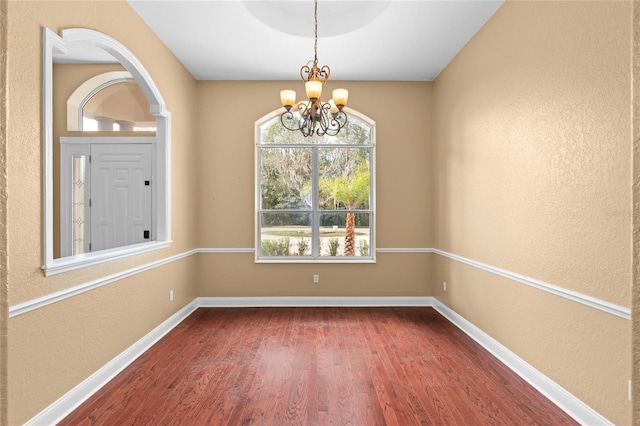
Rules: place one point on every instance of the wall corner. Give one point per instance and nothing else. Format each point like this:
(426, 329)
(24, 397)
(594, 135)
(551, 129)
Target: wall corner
(4, 296)
(635, 134)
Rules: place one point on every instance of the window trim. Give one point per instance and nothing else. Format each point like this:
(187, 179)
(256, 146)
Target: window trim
(372, 203)
(53, 44)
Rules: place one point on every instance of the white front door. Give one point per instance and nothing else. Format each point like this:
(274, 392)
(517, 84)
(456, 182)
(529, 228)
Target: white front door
(106, 196)
(120, 195)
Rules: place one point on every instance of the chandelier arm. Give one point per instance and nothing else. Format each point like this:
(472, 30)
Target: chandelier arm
(305, 69)
(288, 117)
(339, 120)
(333, 122)
(303, 109)
(325, 72)
(321, 126)
(324, 119)
(307, 126)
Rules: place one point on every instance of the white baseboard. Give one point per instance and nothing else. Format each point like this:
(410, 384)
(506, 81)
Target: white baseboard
(571, 405)
(76, 396)
(314, 301)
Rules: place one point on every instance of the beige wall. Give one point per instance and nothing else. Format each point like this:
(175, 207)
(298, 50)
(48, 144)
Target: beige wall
(532, 160)
(4, 305)
(227, 112)
(53, 348)
(635, 71)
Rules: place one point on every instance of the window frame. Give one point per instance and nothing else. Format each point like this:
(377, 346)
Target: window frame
(315, 211)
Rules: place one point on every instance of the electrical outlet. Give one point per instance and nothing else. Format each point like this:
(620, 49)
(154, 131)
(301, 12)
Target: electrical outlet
(444, 285)
(170, 295)
(316, 278)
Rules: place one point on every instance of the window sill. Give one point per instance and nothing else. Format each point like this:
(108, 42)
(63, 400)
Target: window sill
(71, 263)
(293, 259)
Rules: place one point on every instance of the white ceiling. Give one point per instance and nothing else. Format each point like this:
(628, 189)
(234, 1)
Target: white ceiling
(398, 40)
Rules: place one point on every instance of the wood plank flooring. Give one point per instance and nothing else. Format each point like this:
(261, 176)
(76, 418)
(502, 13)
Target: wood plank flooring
(317, 366)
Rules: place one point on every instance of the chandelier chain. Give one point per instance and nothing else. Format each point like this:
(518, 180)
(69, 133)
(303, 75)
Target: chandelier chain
(315, 18)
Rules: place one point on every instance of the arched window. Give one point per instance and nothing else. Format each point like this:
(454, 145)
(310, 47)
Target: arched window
(315, 196)
(112, 101)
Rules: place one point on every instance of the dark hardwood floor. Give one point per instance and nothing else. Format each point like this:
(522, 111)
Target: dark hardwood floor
(317, 366)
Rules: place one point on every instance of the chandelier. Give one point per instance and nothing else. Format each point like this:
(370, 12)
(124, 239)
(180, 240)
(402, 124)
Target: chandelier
(314, 116)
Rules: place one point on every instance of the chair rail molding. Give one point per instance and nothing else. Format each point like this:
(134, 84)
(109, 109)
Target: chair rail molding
(592, 302)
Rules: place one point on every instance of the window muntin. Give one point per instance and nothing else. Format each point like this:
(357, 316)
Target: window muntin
(315, 196)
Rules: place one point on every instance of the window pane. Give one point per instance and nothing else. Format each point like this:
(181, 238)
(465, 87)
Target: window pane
(354, 132)
(78, 204)
(285, 178)
(345, 234)
(273, 132)
(345, 181)
(89, 124)
(285, 234)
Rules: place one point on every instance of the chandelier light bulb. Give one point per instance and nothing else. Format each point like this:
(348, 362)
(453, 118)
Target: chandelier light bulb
(288, 98)
(314, 89)
(340, 97)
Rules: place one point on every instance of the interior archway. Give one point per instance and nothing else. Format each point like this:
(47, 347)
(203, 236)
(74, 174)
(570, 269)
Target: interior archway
(80, 40)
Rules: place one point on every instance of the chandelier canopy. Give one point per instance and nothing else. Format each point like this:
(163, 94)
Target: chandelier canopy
(313, 116)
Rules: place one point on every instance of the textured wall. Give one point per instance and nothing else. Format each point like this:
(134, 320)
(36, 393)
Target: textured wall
(532, 176)
(53, 348)
(570, 343)
(227, 172)
(635, 70)
(532, 129)
(394, 274)
(4, 306)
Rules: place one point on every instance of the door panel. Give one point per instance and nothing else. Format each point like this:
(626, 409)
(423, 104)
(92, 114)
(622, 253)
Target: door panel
(120, 200)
